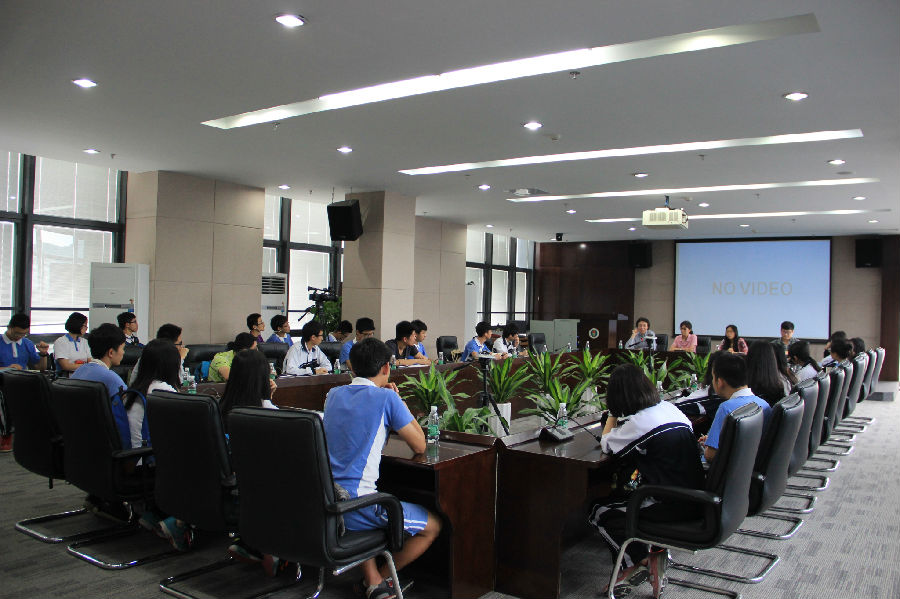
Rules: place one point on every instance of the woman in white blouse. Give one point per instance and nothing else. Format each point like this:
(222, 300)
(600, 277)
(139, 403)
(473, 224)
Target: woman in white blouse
(71, 350)
(508, 341)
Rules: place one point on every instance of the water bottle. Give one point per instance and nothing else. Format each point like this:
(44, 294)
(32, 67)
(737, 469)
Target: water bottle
(191, 385)
(272, 374)
(185, 377)
(562, 416)
(433, 431)
(694, 382)
(659, 388)
(337, 367)
(587, 346)
(393, 362)
(568, 347)
(620, 344)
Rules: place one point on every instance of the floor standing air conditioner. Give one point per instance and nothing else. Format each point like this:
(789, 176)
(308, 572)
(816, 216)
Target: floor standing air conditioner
(117, 288)
(274, 297)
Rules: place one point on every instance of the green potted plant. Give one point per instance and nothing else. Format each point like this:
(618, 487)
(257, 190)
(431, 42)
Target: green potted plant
(473, 420)
(543, 369)
(431, 388)
(504, 382)
(546, 404)
(594, 370)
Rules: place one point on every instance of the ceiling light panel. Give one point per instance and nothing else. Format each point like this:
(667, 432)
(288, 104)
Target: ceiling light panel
(743, 215)
(529, 67)
(84, 83)
(691, 146)
(739, 187)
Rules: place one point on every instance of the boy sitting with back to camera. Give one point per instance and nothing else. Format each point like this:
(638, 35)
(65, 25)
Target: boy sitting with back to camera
(358, 418)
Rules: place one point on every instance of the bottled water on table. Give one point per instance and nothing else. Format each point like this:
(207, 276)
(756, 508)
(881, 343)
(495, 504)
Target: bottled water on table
(562, 416)
(433, 432)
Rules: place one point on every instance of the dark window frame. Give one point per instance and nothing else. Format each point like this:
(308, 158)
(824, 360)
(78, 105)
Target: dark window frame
(511, 269)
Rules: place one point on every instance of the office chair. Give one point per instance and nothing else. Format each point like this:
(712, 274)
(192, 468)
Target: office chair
(809, 393)
(275, 353)
(703, 344)
(132, 355)
(446, 344)
(537, 341)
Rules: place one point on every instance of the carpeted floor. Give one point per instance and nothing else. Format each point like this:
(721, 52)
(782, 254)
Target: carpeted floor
(848, 547)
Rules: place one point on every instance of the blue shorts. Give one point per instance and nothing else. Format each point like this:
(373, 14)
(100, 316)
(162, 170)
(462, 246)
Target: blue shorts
(375, 516)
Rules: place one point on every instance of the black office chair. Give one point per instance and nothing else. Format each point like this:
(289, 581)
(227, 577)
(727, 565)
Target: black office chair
(446, 344)
(537, 342)
(331, 349)
(662, 341)
(132, 355)
(306, 531)
(866, 388)
(809, 393)
(829, 440)
(858, 366)
(275, 353)
(879, 362)
(724, 501)
(95, 461)
(703, 344)
(202, 352)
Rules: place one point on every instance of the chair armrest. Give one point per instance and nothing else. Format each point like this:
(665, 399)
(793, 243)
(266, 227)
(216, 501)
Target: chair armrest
(135, 452)
(390, 503)
(697, 496)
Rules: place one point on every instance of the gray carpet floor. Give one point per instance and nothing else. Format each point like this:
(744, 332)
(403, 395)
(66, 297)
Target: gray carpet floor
(848, 547)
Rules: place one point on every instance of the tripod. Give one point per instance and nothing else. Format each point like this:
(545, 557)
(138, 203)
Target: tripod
(484, 365)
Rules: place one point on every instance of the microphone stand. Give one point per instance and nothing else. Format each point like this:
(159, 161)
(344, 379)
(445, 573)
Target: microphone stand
(486, 397)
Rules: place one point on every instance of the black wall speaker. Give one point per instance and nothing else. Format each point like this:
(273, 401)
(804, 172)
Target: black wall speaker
(868, 253)
(640, 255)
(344, 220)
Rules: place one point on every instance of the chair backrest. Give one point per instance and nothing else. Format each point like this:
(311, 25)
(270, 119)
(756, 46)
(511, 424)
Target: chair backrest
(842, 400)
(446, 344)
(202, 352)
(537, 342)
(703, 344)
(838, 376)
(129, 359)
(879, 353)
(297, 527)
(866, 389)
(731, 470)
(662, 341)
(37, 446)
(774, 456)
(809, 393)
(192, 461)
(275, 352)
(331, 349)
(82, 409)
(857, 372)
(815, 432)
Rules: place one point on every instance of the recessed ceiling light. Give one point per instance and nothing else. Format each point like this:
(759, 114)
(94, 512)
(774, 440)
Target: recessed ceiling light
(484, 187)
(741, 216)
(85, 83)
(91, 151)
(565, 61)
(533, 125)
(632, 228)
(859, 198)
(489, 226)
(639, 175)
(582, 245)
(837, 162)
(290, 21)
(745, 226)
(284, 187)
(691, 146)
(345, 149)
(874, 220)
(570, 211)
(689, 190)
(703, 205)
(796, 96)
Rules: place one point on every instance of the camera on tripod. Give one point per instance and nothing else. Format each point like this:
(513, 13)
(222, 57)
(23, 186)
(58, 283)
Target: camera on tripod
(320, 295)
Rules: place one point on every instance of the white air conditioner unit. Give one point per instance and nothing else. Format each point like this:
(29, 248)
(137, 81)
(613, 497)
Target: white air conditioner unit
(274, 297)
(117, 288)
(665, 218)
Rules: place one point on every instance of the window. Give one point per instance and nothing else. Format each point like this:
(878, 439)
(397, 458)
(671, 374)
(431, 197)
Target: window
(503, 289)
(269, 261)
(7, 259)
(309, 223)
(272, 218)
(75, 191)
(308, 269)
(9, 183)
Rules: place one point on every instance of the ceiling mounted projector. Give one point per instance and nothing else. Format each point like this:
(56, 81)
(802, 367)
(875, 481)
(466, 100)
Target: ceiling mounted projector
(665, 218)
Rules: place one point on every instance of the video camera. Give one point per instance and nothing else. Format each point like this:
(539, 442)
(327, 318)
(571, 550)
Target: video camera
(319, 295)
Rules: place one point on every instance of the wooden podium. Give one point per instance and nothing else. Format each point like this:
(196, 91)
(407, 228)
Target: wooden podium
(603, 330)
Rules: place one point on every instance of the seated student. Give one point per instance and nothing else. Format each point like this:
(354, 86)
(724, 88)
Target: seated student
(342, 333)
(733, 343)
(763, 376)
(421, 330)
(687, 340)
(787, 376)
(70, 350)
(659, 440)
(129, 325)
(478, 345)
(256, 326)
(859, 346)
(107, 344)
(305, 357)
(704, 400)
(787, 336)
(281, 330)
(841, 349)
(508, 341)
(835, 335)
(798, 354)
(171, 332)
(19, 352)
(358, 418)
(365, 328)
(161, 369)
(404, 347)
(729, 379)
(639, 334)
(220, 365)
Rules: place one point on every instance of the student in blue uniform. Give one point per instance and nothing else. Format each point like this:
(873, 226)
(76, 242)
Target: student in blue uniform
(365, 328)
(16, 351)
(107, 344)
(421, 330)
(480, 344)
(281, 330)
(358, 418)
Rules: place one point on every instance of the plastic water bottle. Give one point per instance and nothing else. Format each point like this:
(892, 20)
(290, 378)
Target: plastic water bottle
(568, 347)
(337, 367)
(393, 362)
(433, 431)
(659, 387)
(620, 344)
(562, 416)
(185, 378)
(587, 346)
(272, 374)
(694, 382)
(191, 385)
(440, 357)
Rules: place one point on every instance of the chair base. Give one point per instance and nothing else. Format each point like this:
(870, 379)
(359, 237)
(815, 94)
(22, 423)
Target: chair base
(797, 523)
(166, 585)
(75, 550)
(833, 461)
(823, 484)
(848, 449)
(773, 559)
(810, 504)
(704, 587)
(861, 419)
(25, 527)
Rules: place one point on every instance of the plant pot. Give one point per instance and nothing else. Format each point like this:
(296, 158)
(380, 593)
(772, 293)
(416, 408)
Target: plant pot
(494, 422)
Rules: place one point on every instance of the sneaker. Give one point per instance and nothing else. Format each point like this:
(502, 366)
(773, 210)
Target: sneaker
(150, 521)
(628, 580)
(657, 563)
(242, 553)
(6, 442)
(272, 565)
(383, 590)
(177, 533)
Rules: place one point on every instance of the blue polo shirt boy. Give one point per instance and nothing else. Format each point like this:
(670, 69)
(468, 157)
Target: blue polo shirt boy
(739, 398)
(96, 370)
(21, 352)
